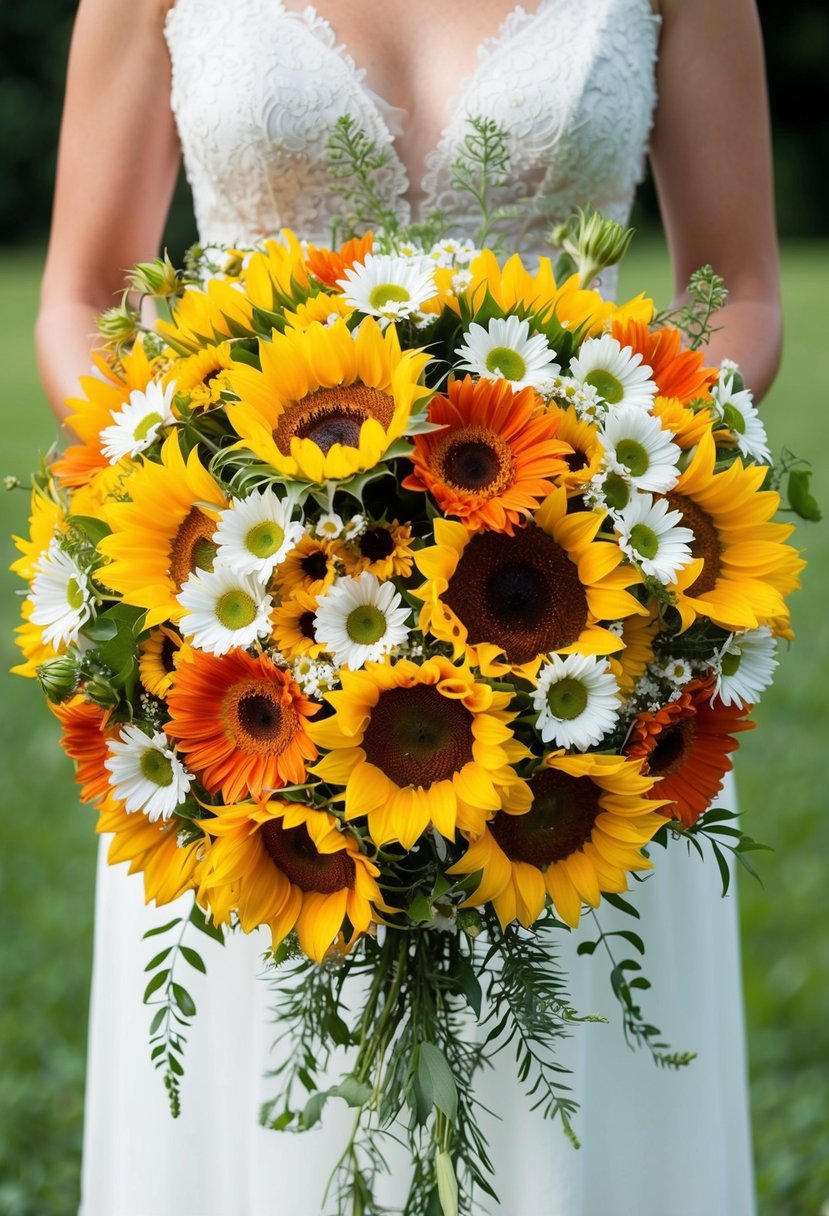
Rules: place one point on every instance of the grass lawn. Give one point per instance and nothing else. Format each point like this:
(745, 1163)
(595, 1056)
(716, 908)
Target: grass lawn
(48, 847)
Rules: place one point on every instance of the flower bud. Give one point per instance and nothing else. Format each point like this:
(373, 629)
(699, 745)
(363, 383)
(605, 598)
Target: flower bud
(100, 692)
(470, 922)
(156, 278)
(119, 325)
(593, 241)
(59, 678)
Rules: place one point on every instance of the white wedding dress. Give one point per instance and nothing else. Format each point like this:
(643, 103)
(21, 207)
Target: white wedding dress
(256, 90)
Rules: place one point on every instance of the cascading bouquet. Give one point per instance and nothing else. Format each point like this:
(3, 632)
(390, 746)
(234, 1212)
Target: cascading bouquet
(397, 598)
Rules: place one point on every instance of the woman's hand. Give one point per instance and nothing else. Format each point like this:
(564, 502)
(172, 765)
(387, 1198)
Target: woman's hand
(117, 165)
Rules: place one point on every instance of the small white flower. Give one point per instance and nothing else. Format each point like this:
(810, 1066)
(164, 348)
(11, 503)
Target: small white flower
(736, 408)
(744, 667)
(136, 425)
(635, 442)
(360, 620)
(224, 609)
(577, 700)
(653, 538)
(61, 597)
(355, 527)
(505, 351)
(388, 287)
(461, 280)
(145, 773)
(408, 250)
(329, 526)
(676, 671)
(256, 533)
(616, 372)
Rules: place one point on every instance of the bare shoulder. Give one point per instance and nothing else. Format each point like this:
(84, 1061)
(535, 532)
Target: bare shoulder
(141, 16)
(708, 17)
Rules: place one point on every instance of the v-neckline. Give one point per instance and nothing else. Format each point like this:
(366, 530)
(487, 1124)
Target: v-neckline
(494, 42)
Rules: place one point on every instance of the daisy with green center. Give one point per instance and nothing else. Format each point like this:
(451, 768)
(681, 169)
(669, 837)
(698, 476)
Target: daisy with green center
(145, 773)
(61, 597)
(576, 699)
(505, 351)
(256, 533)
(636, 443)
(388, 287)
(224, 609)
(615, 371)
(734, 404)
(136, 425)
(744, 667)
(652, 536)
(360, 620)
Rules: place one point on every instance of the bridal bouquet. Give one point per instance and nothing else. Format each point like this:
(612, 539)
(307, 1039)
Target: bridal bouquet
(399, 599)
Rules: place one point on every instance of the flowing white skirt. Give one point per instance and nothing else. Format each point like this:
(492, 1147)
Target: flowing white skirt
(655, 1142)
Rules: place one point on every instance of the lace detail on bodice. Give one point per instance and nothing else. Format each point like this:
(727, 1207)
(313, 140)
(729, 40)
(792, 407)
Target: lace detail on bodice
(257, 89)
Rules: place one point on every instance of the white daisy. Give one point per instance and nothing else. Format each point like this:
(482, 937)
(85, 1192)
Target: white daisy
(653, 538)
(145, 773)
(61, 597)
(360, 620)
(329, 526)
(615, 371)
(255, 533)
(635, 441)
(136, 425)
(677, 671)
(610, 489)
(355, 527)
(505, 351)
(577, 700)
(388, 287)
(224, 609)
(735, 405)
(744, 667)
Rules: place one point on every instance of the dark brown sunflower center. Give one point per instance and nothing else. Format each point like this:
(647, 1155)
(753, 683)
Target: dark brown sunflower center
(672, 747)
(257, 721)
(167, 654)
(476, 460)
(558, 823)
(306, 626)
(706, 543)
(333, 415)
(192, 547)
(576, 461)
(520, 592)
(294, 853)
(417, 736)
(376, 544)
(315, 565)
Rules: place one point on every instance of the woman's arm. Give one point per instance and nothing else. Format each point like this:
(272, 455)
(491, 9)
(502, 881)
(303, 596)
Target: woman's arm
(711, 156)
(117, 165)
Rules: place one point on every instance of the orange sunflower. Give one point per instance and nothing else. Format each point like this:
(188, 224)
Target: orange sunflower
(687, 744)
(329, 266)
(493, 459)
(84, 739)
(241, 722)
(419, 745)
(505, 602)
(289, 867)
(742, 569)
(676, 372)
(589, 818)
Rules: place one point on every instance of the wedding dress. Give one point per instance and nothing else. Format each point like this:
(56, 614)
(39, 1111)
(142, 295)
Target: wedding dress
(257, 88)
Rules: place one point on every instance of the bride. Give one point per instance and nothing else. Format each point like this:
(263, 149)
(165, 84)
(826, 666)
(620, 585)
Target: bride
(249, 90)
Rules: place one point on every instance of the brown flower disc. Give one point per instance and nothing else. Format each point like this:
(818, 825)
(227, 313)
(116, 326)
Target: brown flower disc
(706, 543)
(417, 737)
(474, 460)
(521, 593)
(559, 822)
(257, 719)
(192, 547)
(294, 853)
(333, 415)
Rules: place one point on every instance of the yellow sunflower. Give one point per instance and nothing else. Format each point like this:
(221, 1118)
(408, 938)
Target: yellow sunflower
(418, 745)
(319, 308)
(742, 568)
(687, 425)
(201, 376)
(289, 867)
(589, 819)
(45, 521)
(158, 657)
(382, 549)
(151, 849)
(506, 601)
(276, 276)
(587, 452)
(30, 643)
(311, 566)
(207, 317)
(326, 404)
(163, 533)
(629, 664)
(293, 626)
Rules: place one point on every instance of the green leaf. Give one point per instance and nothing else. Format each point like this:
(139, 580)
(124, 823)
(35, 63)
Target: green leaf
(447, 1183)
(436, 1080)
(468, 983)
(158, 1018)
(158, 959)
(163, 928)
(355, 1093)
(174, 1065)
(155, 983)
(94, 528)
(205, 925)
(336, 1029)
(313, 1109)
(800, 498)
(629, 936)
(194, 959)
(586, 947)
(184, 1000)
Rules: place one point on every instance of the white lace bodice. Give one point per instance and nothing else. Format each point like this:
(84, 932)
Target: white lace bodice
(258, 87)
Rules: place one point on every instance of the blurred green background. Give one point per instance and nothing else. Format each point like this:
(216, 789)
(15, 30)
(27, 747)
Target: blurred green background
(47, 845)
